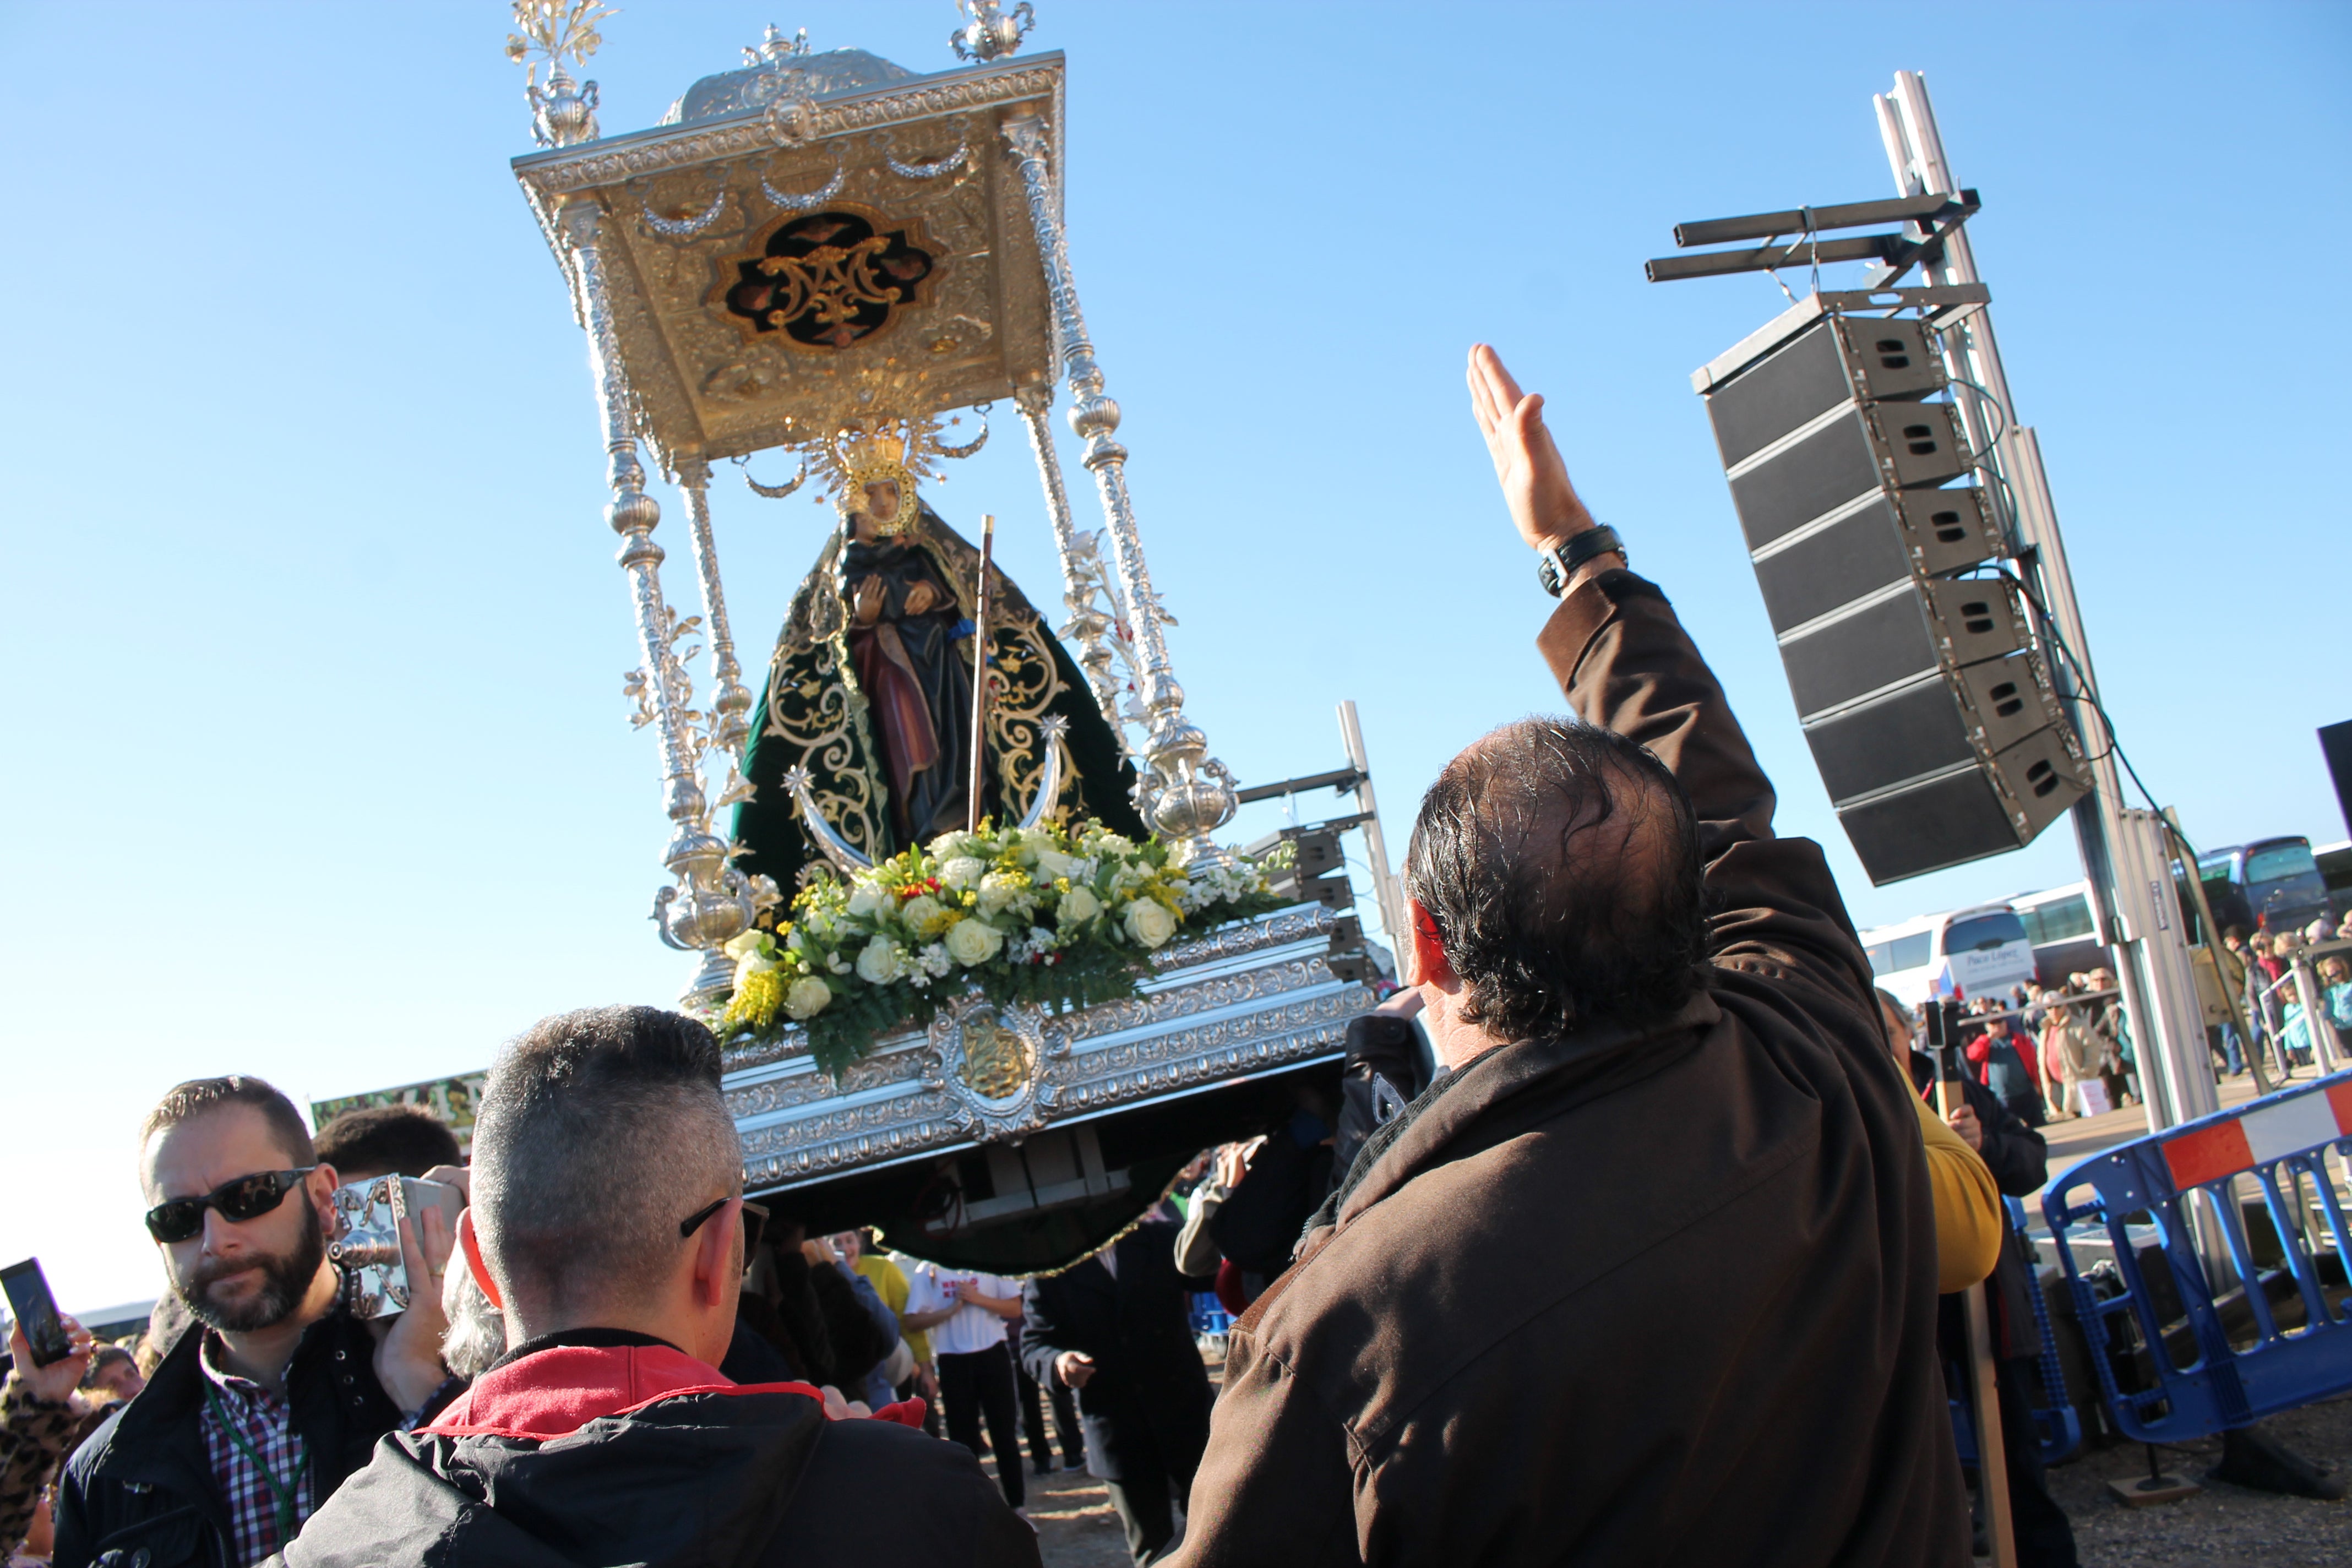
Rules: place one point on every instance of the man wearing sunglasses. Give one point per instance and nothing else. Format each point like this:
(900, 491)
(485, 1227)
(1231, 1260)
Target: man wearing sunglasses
(277, 1394)
(607, 1224)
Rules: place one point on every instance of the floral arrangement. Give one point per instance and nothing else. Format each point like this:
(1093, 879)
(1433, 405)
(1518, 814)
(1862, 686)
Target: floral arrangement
(1054, 917)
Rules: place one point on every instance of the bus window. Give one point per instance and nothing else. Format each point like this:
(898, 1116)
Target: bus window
(1910, 952)
(2057, 922)
(1982, 933)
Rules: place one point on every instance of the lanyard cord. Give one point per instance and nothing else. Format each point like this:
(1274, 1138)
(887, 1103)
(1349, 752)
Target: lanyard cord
(281, 1493)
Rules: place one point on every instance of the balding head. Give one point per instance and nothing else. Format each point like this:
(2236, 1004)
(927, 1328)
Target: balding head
(1559, 863)
(600, 1132)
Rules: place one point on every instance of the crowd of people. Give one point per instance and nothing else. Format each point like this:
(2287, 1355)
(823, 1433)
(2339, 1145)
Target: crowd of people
(1628, 1233)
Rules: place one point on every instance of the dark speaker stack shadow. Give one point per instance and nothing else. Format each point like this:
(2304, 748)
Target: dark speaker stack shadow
(1927, 706)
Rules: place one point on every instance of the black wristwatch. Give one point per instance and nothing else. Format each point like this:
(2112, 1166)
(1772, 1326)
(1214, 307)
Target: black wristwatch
(1555, 566)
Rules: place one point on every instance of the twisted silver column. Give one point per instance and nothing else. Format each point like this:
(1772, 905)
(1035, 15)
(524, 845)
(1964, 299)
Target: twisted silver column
(711, 902)
(1192, 794)
(731, 703)
(1081, 575)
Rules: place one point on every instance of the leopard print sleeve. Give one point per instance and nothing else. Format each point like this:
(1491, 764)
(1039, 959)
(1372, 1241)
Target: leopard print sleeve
(34, 1435)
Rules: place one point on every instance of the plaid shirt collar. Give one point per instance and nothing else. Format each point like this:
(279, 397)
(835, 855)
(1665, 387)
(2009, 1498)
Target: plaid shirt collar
(266, 1421)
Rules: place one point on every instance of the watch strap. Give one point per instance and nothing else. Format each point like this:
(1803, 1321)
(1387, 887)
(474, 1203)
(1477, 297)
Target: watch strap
(1557, 565)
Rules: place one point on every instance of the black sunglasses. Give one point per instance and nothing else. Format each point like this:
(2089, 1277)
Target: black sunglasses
(755, 1218)
(245, 1198)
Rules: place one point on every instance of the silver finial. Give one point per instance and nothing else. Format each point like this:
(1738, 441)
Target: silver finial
(564, 112)
(773, 51)
(992, 30)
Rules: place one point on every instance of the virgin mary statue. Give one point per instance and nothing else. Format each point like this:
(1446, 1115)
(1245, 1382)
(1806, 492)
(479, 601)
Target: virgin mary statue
(870, 686)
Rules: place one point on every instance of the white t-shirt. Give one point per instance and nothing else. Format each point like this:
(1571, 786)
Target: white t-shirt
(973, 1328)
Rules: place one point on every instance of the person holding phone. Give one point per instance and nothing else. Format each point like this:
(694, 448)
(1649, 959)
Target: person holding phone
(38, 1417)
(277, 1394)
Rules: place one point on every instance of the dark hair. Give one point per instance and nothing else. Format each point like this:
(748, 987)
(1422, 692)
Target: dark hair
(383, 1138)
(191, 1099)
(1561, 863)
(598, 1132)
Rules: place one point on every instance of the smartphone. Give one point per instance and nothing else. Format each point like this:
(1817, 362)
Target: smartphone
(37, 1309)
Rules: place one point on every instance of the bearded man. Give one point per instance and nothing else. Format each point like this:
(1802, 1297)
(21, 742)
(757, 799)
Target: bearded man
(277, 1394)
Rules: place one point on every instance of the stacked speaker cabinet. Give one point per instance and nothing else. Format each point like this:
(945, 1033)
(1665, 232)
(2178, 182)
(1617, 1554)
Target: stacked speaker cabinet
(1927, 706)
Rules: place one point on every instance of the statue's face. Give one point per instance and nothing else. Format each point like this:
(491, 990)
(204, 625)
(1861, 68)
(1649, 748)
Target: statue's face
(882, 502)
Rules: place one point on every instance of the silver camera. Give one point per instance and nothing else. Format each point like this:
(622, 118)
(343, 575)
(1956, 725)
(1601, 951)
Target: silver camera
(367, 1238)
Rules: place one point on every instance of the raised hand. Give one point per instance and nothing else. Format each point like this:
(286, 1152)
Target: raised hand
(53, 1384)
(1528, 464)
(408, 1357)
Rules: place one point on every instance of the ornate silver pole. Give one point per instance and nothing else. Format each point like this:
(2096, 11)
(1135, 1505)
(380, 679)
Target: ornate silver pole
(1194, 793)
(712, 902)
(1082, 577)
(729, 701)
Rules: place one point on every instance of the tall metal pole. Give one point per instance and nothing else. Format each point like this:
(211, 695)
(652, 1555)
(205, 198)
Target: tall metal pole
(2126, 855)
(980, 607)
(730, 701)
(1385, 890)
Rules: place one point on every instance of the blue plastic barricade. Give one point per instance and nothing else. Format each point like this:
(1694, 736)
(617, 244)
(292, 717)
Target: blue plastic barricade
(2276, 1336)
(1209, 1315)
(2057, 1427)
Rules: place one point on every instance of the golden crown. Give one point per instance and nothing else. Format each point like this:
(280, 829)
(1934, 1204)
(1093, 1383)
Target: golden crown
(898, 449)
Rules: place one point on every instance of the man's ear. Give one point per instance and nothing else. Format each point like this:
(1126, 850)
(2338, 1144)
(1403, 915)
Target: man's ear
(319, 1186)
(714, 1253)
(1427, 963)
(481, 1271)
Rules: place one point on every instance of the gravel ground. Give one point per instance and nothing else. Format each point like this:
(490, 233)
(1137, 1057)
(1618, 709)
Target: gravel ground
(1076, 1527)
(2222, 1526)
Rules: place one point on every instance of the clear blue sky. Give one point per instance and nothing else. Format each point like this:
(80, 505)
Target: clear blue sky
(319, 766)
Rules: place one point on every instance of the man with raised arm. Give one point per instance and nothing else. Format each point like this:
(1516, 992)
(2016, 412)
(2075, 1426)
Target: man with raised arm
(1649, 1274)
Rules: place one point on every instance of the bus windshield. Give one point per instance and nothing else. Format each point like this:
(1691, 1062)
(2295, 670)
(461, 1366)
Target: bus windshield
(2280, 861)
(1981, 934)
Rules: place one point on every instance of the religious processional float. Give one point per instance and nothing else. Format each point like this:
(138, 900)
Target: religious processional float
(984, 976)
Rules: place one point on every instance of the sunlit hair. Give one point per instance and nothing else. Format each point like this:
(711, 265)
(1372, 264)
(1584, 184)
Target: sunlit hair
(1560, 864)
(599, 1133)
(188, 1100)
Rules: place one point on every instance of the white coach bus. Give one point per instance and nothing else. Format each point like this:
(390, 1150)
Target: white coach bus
(1980, 951)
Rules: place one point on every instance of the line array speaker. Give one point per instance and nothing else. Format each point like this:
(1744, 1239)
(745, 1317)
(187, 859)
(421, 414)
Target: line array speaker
(1928, 709)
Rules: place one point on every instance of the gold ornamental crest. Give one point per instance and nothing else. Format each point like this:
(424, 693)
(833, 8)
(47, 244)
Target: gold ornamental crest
(827, 280)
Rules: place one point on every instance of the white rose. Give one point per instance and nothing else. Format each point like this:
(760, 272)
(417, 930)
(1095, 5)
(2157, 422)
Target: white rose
(753, 941)
(961, 871)
(1148, 922)
(923, 915)
(951, 846)
(807, 997)
(1053, 863)
(1079, 904)
(865, 898)
(750, 963)
(879, 963)
(997, 889)
(973, 941)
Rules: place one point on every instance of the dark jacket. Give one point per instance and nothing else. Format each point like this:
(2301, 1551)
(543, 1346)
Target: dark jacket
(1662, 1296)
(143, 1482)
(2019, 1159)
(1146, 1409)
(601, 1447)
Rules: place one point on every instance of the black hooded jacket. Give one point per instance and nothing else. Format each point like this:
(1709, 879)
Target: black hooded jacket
(140, 1489)
(609, 1447)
